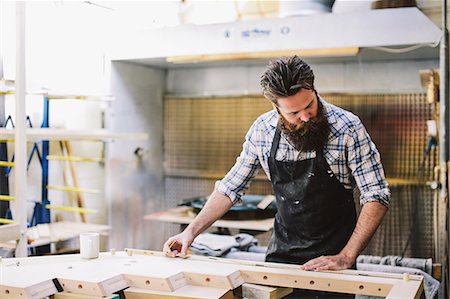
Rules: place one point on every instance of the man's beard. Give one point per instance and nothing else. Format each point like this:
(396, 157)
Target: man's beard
(308, 136)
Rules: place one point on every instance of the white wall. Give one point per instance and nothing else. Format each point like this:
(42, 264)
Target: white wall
(395, 76)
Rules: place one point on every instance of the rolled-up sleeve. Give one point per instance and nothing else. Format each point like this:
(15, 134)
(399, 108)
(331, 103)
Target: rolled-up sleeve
(237, 180)
(365, 163)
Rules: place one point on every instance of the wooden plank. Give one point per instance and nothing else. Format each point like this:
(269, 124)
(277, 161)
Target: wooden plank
(230, 281)
(112, 271)
(166, 284)
(437, 271)
(74, 159)
(9, 232)
(61, 231)
(186, 292)
(35, 291)
(264, 55)
(256, 291)
(406, 289)
(70, 165)
(179, 215)
(339, 283)
(36, 134)
(71, 209)
(64, 295)
(73, 189)
(94, 287)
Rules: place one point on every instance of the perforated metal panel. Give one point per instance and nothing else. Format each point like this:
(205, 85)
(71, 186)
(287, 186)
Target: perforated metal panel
(203, 137)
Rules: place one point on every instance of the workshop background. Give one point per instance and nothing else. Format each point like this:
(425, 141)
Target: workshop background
(160, 95)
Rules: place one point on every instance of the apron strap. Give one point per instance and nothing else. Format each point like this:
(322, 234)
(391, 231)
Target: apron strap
(275, 142)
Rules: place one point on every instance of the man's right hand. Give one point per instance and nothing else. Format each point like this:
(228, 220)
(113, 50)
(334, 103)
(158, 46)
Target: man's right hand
(178, 244)
(214, 208)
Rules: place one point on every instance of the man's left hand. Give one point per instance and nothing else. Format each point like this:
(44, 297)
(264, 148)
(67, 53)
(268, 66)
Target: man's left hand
(329, 262)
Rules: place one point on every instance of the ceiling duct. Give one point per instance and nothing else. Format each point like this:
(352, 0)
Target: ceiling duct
(304, 7)
(366, 33)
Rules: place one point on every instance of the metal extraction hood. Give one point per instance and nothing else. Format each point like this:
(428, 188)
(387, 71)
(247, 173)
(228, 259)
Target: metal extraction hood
(324, 35)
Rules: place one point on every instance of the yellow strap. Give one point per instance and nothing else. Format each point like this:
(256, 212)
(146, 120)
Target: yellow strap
(75, 159)
(6, 140)
(6, 163)
(73, 189)
(71, 209)
(6, 221)
(7, 197)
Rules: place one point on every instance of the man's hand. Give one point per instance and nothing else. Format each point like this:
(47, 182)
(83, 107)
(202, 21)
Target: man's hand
(215, 207)
(178, 244)
(329, 262)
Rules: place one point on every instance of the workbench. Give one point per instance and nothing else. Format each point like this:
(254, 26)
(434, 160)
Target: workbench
(150, 274)
(183, 215)
(50, 233)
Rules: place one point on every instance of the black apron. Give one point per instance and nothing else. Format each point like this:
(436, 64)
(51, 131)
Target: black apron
(316, 214)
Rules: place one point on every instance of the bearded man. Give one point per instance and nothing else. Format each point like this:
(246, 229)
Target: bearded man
(314, 154)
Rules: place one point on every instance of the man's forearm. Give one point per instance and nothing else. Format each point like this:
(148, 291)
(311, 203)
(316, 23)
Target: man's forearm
(371, 215)
(216, 206)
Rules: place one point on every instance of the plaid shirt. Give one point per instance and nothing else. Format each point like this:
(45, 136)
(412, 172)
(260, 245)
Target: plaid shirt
(350, 152)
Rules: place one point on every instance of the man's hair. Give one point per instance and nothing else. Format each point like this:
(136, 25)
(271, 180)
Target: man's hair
(285, 76)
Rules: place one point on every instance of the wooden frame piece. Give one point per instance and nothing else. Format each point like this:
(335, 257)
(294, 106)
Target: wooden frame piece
(167, 284)
(36, 134)
(186, 292)
(151, 274)
(256, 291)
(99, 288)
(9, 232)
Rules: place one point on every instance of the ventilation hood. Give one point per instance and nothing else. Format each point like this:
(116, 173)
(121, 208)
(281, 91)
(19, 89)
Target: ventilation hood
(333, 34)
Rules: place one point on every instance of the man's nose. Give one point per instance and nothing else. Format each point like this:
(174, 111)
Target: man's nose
(305, 116)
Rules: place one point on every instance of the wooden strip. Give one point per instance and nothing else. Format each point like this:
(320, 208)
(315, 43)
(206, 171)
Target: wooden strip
(73, 189)
(65, 295)
(71, 158)
(38, 291)
(71, 209)
(157, 283)
(36, 134)
(256, 291)
(178, 215)
(230, 282)
(105, 287)
(79, 97)
(265, 55)
(186, 292)
(406, 289)
(305, 280)
(268, 265)
(79, 198)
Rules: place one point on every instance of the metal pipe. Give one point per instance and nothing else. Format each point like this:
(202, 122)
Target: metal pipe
(443, 138)
(4, 180)
(20, 145)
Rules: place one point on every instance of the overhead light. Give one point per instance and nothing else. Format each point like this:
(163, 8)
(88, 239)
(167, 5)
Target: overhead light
(333, 52)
